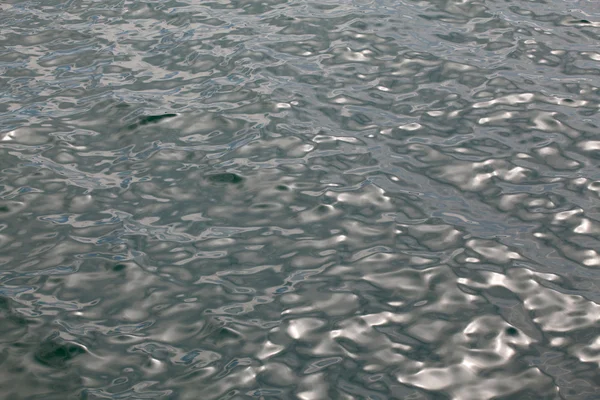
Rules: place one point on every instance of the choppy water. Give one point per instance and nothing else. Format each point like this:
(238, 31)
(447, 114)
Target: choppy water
(299, 200)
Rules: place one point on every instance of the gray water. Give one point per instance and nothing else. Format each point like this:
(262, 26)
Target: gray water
(286, 199)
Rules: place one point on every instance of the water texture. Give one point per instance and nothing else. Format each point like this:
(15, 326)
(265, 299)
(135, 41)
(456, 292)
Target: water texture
(287, 199)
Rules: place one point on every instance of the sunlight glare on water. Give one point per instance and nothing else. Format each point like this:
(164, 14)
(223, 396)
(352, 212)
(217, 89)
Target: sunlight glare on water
(287, 199)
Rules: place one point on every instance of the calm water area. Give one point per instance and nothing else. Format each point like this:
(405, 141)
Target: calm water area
(297, 199)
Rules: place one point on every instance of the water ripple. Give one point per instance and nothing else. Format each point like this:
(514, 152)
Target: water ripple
(288, 199)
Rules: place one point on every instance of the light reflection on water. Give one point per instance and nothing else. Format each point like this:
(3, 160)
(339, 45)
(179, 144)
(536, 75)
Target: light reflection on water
(286, 199)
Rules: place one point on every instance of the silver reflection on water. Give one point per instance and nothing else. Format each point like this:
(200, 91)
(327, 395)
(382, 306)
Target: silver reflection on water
(286, 199)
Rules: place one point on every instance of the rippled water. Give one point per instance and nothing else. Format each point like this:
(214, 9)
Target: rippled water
(288, 199)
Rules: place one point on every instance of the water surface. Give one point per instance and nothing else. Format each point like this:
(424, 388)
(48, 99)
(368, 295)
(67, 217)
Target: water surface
(287, 199)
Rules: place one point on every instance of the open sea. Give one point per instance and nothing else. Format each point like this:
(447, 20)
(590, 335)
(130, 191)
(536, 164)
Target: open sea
(297, 199)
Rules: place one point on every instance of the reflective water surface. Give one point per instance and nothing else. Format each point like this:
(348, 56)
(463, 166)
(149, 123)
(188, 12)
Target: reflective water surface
(288, 199)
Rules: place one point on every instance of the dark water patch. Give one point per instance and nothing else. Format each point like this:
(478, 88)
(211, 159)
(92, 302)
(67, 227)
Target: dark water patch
(226, 178)
(151, 119)
(57, 354)
(119, 267)
(510, 331)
